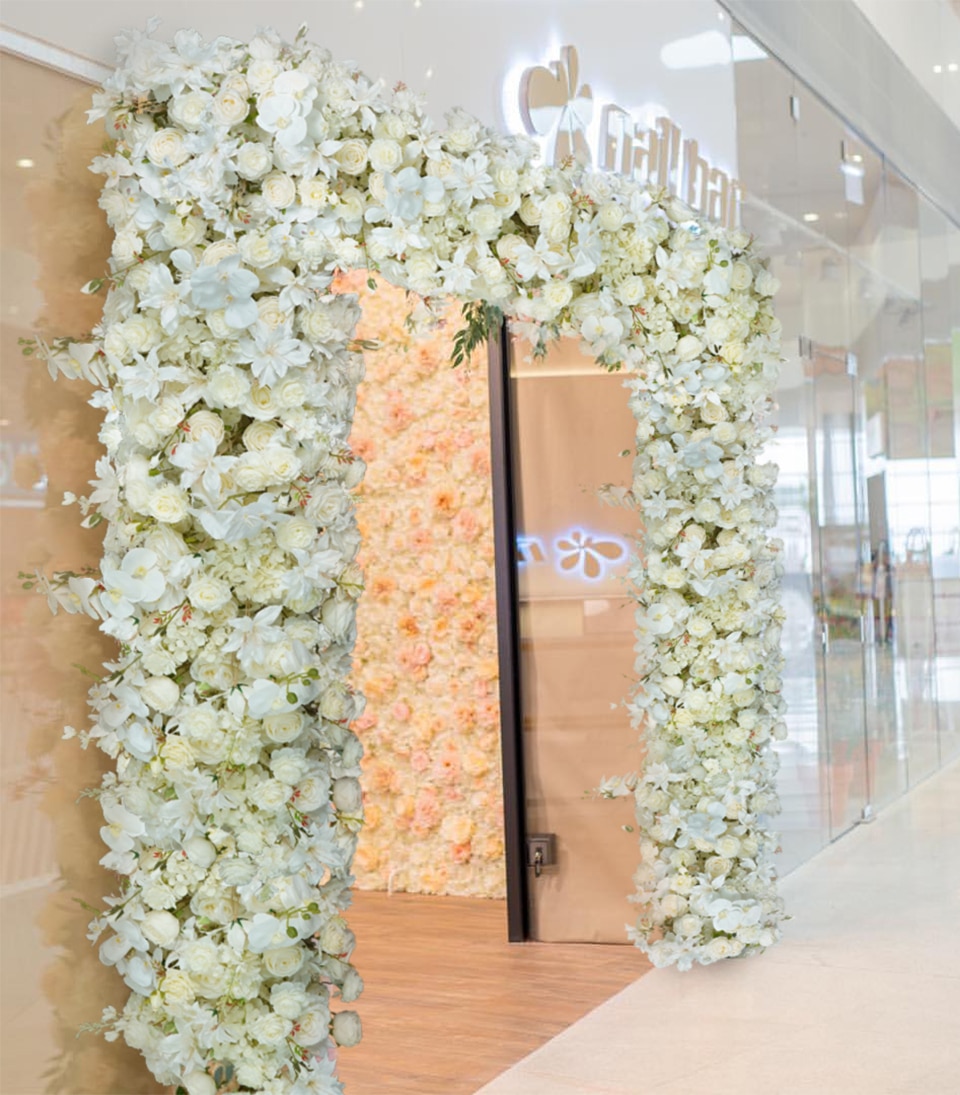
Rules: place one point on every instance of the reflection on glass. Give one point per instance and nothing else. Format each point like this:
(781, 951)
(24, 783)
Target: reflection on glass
(868, 444)
(571, 422)
(54, 239)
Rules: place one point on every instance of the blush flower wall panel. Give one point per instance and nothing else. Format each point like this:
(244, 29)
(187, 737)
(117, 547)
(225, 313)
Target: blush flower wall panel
(427, 654)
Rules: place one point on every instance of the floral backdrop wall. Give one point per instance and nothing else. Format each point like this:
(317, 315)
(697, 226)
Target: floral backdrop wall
(426, 657)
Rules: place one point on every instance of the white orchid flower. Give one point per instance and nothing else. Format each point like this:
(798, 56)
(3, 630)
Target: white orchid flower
(138, 580)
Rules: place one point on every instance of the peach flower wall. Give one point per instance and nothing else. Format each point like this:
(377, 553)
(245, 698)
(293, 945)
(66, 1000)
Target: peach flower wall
(427, 655)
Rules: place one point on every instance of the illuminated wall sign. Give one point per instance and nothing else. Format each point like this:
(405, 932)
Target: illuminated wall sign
(576, 554)
(555, 106)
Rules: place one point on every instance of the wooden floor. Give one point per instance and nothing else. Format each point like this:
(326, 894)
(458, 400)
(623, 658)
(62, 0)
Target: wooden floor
(449, 1004)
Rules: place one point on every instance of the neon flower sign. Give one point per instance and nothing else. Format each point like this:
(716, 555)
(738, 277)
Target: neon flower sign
(575, 554)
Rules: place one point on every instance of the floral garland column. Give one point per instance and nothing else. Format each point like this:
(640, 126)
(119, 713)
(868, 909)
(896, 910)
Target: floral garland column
(229, 580)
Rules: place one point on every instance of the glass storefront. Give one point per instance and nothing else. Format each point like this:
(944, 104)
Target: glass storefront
(867, 439)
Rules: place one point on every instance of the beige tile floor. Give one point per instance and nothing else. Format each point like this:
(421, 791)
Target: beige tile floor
(862, 997)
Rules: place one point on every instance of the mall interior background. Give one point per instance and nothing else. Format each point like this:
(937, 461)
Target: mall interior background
(868, 442)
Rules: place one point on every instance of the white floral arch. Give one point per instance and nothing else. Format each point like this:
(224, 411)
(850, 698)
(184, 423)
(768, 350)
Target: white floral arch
(244, 175)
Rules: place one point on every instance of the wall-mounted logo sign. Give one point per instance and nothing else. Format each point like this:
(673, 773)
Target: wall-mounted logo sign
(556, 107)
(576, 554)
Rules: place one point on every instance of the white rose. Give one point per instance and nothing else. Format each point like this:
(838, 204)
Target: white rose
(235, 872)
(295, 534)
(766, 284)
(674, 578)
(125, 248)
(158, 895)
(260, 402)
(336, 938)
(317, 324)
(688, 925)
(199, 1083)
(282, 463)
(160, 693)
(160, 928)
(272, 795)
(347, 1030)
(279, 189)
(208, 593)
(728, 846)
(352, 157)
(165, 148)
(167, 504)
(270, 313)
(741, 276)
(352, 986)
(200, 851)
(673, 686)
(385, 155)
(530, 211)
(631, 290)
(313, 1026)
(315, 192)
(230, 107)
(141, 333)
(689, 347)
(183, 232)
(485, 220)
(283, 961)
(610, 216)
(712, 411)
(290, 392)
(288, 765)
(283, 728)
(205, 424)
(176, 753)
(557, 294)
(177, 988)
(252, 474)
(258, 435)
(288, 999)
(189, 110)
(312, 793)
(167, 415)
(254, 160)
(348, 796)
(260, 251)
(271, 1029)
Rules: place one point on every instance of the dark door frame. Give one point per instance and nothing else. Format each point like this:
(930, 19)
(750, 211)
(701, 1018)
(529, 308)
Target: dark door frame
(508, 637)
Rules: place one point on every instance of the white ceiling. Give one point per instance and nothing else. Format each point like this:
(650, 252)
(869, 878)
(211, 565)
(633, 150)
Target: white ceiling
(925, 35)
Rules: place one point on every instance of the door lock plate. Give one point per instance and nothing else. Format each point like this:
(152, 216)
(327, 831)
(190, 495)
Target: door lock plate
(541, 851)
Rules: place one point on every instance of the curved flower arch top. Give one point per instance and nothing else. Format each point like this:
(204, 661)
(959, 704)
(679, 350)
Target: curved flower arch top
(243, 177)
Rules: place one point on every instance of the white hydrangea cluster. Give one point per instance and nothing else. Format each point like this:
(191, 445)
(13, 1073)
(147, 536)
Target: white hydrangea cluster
(243, 177)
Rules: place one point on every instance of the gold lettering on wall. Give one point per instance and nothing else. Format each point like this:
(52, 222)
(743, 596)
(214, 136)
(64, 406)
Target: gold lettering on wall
(555, 106)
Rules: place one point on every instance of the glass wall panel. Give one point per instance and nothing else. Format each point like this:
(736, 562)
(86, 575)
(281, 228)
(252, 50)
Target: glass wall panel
(908, 520)
(772, 212)
(873, 296)
(941, 320)
(54, 239)
(832, 207)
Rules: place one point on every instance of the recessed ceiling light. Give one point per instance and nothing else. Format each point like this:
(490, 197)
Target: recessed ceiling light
(811, 217)
(358, 4)
(25, 162)
(417, 3)
(857, 158)
(428, 73)
(953, 66)
(938, 68)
